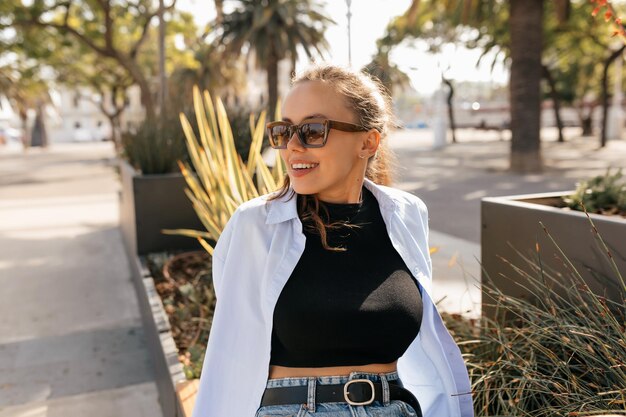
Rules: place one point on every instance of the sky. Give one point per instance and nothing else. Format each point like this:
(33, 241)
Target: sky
(368, 23)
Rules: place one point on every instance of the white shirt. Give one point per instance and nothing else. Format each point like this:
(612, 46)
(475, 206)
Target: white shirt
(253, 259)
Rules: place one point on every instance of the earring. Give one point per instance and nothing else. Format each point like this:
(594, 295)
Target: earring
(361, 156)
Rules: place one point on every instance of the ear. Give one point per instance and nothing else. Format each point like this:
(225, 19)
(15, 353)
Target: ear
(371, 143)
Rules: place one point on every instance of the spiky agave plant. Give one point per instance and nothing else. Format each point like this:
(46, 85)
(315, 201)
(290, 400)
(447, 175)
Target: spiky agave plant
(222, 181)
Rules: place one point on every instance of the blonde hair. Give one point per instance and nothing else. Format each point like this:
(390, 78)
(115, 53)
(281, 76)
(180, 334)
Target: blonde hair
(367, 98)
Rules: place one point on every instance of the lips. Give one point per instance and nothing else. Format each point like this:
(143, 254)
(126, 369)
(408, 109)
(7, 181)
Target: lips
(300, 168)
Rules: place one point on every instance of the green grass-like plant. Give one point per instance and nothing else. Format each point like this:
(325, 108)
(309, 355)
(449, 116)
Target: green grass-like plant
(603, 194)
(563, 354)
(155, 150)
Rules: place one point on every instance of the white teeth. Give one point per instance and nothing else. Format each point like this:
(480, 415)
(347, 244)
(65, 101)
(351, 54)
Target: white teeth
(303, 166)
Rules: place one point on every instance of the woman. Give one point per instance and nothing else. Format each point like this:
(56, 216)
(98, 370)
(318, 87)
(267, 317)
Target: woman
(323, 288)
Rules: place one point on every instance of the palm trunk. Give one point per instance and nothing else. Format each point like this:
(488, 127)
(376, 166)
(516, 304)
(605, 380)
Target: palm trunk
(556, 102)
(526, 28)
(605, 92)
(272, 82)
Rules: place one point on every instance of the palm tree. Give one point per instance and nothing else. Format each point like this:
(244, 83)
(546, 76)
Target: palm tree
(523, 37)
(389, 74)
(274, 29)
(526, 25)
(213, 69)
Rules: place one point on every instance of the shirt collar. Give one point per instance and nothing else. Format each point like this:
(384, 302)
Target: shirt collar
(284, 208)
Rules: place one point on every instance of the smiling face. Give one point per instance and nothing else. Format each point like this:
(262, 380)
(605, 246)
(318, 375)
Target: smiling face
(335, 171)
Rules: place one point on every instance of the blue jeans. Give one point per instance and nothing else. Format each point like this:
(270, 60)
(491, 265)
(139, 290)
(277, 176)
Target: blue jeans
(386, 408)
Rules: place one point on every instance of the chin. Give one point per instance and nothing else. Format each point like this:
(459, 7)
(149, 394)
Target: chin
(303, 190)
(303, 187)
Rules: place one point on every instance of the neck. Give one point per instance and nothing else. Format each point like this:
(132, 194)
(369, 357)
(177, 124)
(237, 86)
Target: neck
(353, 197)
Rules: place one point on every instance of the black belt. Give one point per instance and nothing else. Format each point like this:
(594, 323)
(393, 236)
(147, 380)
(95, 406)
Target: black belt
(354, 392)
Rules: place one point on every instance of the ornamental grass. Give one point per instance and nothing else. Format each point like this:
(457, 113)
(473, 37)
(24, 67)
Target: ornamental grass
(563, 353)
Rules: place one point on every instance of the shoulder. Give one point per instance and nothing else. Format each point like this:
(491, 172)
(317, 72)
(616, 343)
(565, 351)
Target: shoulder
(249, 219)
(256, 209)
(260, 214)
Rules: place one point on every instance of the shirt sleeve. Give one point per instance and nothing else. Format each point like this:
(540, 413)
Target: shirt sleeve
(220, 252)
(423, 209)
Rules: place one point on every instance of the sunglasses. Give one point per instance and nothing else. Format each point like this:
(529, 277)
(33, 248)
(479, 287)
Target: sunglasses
(312, 134)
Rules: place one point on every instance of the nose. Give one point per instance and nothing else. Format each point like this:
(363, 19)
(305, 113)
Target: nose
(294, 143)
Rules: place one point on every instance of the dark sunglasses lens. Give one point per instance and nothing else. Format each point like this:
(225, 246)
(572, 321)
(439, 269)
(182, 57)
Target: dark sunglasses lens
(279, 136)
(312, 133)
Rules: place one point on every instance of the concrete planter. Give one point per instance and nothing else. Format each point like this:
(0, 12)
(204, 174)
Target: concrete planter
(151, 203)
(512, 223)
(176, 394)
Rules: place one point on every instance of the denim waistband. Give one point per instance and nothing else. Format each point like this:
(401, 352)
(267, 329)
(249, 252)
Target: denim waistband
(334, 379)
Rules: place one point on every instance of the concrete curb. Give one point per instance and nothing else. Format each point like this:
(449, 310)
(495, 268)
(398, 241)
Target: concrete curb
(168, 369)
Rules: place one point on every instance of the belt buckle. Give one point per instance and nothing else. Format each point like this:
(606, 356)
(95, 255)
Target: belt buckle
(349, 401)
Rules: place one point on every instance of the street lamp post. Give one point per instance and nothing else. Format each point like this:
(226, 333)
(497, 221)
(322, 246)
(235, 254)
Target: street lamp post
(349, 15)
(162, 75)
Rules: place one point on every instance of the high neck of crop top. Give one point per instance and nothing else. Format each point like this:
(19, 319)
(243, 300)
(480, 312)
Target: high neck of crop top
(346, 212)
(354, 307)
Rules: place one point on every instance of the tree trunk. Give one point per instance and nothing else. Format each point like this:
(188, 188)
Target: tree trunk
(605, 92)
(293, 67)
(563, 10)
(526, 23)
(39, 136)
(272, 82)
(586, 121)
(24, 119)
(219, 8)
(114, 121)
(115, 115)
(556, 102)
(137, 75)
(450, 108)
(586, 125)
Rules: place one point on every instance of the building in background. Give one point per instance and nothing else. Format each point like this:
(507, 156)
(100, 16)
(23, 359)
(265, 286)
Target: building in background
(78, 118)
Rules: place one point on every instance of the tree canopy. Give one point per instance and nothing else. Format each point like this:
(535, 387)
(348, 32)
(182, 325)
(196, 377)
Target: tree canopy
(274, 30)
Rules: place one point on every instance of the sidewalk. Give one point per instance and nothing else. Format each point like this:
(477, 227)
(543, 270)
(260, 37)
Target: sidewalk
(71, 338)
(452, 180)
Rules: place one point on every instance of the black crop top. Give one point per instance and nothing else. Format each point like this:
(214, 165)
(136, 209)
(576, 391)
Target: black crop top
(356, 307)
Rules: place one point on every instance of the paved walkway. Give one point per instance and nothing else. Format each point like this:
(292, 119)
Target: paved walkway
(71, 338)
(452, 180)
